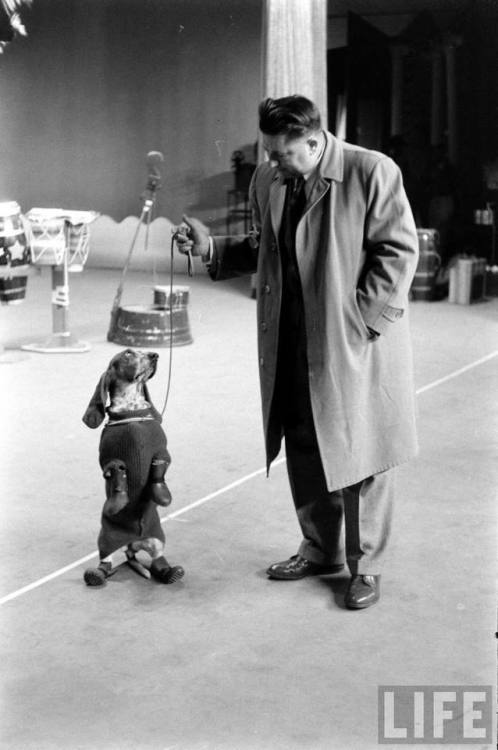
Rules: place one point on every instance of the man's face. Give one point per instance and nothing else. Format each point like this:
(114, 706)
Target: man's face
(292, 156)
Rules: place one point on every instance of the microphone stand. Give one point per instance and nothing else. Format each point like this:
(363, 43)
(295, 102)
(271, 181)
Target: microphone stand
(149, 199)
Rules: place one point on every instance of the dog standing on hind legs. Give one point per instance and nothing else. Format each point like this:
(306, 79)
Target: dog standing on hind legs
(134, 458)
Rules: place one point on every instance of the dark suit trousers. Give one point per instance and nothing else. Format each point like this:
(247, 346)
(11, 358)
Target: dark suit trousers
(366, 507)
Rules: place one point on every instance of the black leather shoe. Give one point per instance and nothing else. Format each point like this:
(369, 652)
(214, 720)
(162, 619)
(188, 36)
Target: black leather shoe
(297, 567)
(363, 591)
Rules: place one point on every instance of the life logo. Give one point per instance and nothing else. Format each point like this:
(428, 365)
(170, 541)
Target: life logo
(428, 714)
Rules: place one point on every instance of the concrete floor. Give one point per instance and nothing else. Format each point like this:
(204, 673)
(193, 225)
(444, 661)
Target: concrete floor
(227, 659)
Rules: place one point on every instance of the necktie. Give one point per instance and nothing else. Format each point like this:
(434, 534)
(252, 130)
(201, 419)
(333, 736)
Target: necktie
(292, 334)
(295, 201)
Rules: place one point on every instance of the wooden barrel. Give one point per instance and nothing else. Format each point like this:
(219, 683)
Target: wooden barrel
(165, 323)
(429, 262)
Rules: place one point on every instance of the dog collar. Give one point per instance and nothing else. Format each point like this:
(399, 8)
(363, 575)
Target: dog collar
(113, 422)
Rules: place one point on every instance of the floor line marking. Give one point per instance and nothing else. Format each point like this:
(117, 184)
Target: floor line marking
(456, 373)
(181, 511)
(222, 490)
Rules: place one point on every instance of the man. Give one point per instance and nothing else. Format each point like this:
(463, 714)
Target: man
(335, 249)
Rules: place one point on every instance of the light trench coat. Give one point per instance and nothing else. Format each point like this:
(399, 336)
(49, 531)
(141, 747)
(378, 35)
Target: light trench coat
(357, 251)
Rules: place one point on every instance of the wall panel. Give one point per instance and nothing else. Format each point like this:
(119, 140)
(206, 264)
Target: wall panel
(99, 83)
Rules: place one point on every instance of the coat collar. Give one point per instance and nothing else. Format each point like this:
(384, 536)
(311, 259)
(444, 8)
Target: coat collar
(331, 167)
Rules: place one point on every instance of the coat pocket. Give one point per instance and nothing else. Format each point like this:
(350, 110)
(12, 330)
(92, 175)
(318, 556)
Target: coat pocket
(359, 319)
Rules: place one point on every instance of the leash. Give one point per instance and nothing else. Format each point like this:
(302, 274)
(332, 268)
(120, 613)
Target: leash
(190, 272)
(170, 360)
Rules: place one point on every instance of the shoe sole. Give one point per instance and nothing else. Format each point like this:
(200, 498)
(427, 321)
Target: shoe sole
(284, 577)
(354, 605)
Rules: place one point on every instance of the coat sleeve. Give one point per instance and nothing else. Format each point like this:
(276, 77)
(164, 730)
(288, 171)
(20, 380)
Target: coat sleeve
(232, 256)
(391, 246)
(237, 255)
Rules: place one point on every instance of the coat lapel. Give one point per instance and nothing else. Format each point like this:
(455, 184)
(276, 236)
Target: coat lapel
(331, 168)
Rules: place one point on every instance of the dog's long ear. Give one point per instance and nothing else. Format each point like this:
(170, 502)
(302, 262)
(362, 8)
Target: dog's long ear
(95, 412)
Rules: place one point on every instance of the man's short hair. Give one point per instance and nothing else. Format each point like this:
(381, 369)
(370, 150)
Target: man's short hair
(292, 116)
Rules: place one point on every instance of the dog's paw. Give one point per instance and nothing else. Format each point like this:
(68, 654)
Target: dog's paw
(97, 576)
(168, 575)
(115, 503)
(160, 494)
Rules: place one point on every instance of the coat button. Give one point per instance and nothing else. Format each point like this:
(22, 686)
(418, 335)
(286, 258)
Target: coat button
(266, 289)
(261, 361)
(264, 327)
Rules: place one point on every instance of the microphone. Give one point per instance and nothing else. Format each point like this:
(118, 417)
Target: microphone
(154, 160)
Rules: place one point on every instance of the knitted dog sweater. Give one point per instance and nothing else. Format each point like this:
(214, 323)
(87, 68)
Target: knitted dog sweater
(135, 443)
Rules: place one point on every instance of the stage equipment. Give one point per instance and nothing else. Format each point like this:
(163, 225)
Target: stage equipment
(165, 322)
(467, 280)
(15, 254)
(60, 239)
(429, 262)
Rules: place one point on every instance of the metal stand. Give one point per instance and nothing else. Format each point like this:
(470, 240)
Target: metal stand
(144, 216)
(61, 341)
(149, 198)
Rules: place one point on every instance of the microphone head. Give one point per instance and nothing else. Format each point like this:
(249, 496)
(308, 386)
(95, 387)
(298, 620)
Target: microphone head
(154, 159)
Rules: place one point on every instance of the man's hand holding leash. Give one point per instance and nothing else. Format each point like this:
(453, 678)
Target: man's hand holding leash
(192, 239)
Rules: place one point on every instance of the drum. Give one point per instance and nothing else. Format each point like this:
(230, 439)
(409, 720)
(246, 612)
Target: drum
(162, 324)
(429, 262)
(14, 254)
(48, 236)
(13, 291)
(78, 238)
(77, 246)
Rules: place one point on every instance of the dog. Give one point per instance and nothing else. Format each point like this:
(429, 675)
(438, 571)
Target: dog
(133, 456)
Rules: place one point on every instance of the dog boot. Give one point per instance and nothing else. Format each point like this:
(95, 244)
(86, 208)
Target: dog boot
(162, 571)
(158, 489)
(98, 576)
(116, 487)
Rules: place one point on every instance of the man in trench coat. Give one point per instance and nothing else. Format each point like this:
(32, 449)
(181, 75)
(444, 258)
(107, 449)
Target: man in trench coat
(335, 248)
